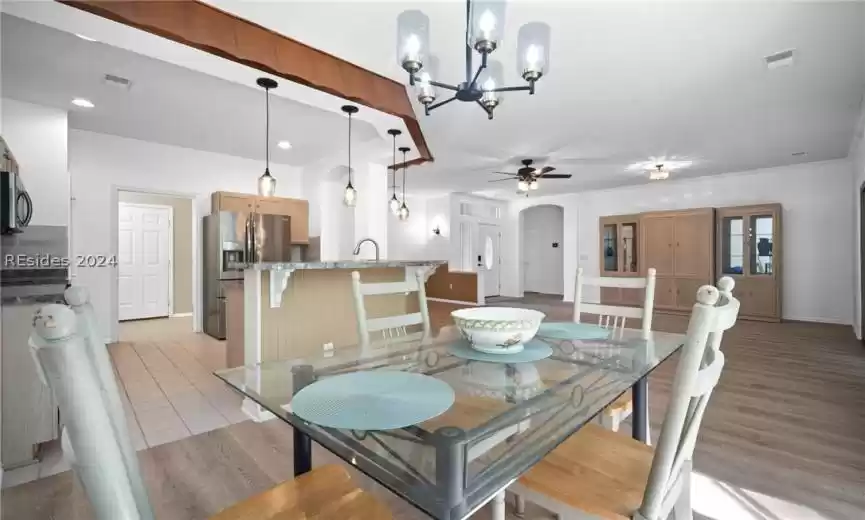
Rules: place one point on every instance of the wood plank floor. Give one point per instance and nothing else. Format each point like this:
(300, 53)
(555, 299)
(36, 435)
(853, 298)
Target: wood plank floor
(782, 439)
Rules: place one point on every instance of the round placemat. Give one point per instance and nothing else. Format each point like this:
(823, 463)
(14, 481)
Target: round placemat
(534, 350)
(376, 400)
(572, 331)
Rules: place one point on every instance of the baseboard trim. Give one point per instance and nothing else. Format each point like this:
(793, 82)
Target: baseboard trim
(443, 300)
(181, 315)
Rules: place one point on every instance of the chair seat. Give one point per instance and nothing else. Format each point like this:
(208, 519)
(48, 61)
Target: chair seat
(325, 493)
(624, 404)
(597, 471)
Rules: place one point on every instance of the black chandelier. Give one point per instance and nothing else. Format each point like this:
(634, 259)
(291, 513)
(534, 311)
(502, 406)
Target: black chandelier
(484, 28)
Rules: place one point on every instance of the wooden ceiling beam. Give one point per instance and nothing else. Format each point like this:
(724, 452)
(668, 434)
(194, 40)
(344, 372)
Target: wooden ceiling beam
(204, 27)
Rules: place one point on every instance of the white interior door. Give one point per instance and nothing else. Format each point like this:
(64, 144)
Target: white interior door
(489, 255)
(143, 261)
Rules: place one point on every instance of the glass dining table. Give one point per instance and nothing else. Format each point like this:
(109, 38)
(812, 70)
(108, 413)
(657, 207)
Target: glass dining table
(504, 419)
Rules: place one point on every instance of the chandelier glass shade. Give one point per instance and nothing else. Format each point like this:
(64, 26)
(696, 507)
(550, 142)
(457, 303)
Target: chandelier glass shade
(485, 22)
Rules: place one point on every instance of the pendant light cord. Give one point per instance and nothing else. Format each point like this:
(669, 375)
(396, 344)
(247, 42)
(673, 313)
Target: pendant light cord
(393, 179)
(404, 168)
(349, 149)
(267, 129)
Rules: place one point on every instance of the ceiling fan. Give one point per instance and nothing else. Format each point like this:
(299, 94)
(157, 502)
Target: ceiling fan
(528, 176)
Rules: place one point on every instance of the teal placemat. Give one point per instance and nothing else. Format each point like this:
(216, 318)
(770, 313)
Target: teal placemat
(573, 331)
(375, 400)
(533, 350)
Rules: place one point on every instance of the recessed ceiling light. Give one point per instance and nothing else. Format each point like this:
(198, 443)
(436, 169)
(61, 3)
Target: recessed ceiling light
(285, 145)
(86, 38)
(83, 103)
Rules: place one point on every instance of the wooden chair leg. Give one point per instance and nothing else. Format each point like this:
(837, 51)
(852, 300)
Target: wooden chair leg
(519, 506)
(682, 508)
(498, 505)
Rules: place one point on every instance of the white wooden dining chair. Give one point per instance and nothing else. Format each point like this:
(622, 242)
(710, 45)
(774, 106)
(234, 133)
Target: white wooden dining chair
(613, 317)
(390, 327)
(74, 363)
(597, 473)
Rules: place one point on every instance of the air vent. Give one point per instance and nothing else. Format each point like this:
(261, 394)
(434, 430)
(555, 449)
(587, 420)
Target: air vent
(799, 154)
(117, 82)
(780, 59)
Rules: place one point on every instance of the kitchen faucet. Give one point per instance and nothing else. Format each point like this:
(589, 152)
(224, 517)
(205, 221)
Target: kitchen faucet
(357, 247)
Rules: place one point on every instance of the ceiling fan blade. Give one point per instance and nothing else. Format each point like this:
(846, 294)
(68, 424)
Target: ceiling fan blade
(557, 176)
(546, 169)
(506, 173)
(500, 180)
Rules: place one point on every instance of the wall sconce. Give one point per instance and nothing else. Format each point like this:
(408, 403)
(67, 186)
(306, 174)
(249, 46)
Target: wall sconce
(437, 230)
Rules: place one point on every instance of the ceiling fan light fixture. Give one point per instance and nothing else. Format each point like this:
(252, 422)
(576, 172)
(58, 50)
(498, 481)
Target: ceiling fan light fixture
(533, 184)
(522, 185)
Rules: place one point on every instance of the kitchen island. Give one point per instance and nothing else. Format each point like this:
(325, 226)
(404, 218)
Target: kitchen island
(286, 310)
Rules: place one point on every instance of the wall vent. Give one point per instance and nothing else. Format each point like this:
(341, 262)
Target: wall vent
(117, 82)
(780, 59)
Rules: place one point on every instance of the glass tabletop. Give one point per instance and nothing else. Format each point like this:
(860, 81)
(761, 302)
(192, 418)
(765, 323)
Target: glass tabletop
(505, 417)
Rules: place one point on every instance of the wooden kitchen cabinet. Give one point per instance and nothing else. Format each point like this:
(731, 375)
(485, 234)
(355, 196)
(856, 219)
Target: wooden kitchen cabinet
(749, 251)
(297, 209)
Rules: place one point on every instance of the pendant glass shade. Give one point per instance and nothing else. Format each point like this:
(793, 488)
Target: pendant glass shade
(349, 196)
(487, 25)
(403, 212)
(412, 40)
(533, 51)
(490, 78)
(394, 205)
(266, 184)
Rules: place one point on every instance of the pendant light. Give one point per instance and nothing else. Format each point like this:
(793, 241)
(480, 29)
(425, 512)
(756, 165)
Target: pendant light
(266, 183)
(394, 202)
(349, 196)
(403, 210)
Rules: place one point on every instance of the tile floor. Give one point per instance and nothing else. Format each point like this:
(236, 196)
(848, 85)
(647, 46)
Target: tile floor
(168, 390)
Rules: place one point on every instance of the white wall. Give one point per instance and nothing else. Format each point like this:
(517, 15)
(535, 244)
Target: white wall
(543, 264)
(100, 164)
(407, 240)
(857, 165)
(37, 136)
(816, 223)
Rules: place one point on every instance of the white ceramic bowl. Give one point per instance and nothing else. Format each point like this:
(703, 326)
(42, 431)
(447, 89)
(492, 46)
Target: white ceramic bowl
(497, 330)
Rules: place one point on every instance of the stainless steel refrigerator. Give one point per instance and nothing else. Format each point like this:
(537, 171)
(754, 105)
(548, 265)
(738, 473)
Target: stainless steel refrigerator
(233, 239)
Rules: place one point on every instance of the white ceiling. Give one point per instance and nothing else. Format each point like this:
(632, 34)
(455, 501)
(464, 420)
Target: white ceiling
(167, 103)
(628, 81)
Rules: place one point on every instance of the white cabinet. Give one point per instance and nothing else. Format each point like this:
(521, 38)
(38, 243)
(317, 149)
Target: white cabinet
(30, 416)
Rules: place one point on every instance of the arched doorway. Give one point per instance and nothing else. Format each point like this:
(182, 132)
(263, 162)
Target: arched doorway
(542, 249)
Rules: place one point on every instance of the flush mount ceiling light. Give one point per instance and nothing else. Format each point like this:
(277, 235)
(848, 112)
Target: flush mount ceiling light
(266, 183)
(394, 202)
(83, 103)
(660, 173)
(485, 22)
(403, 210)
(284, 145)
(349, 196)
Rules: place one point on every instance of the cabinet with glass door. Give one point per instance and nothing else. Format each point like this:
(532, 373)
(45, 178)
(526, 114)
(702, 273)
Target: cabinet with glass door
(749, 250)
(619, 257)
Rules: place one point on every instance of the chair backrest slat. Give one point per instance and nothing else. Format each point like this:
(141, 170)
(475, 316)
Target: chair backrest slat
(390, 326)
(700, 366)
(605, 312)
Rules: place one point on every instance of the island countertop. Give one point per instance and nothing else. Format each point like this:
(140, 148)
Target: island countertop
(337, 264)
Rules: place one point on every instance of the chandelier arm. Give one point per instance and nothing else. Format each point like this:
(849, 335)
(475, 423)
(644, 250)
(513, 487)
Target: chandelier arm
(511, 89)
(444, 86)
(478, 73)
(468, 35)
(487, 110)
(440, 103)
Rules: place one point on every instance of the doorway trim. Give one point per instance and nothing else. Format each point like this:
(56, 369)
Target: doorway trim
(861, 203)
(114, 325)
(170, 248)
